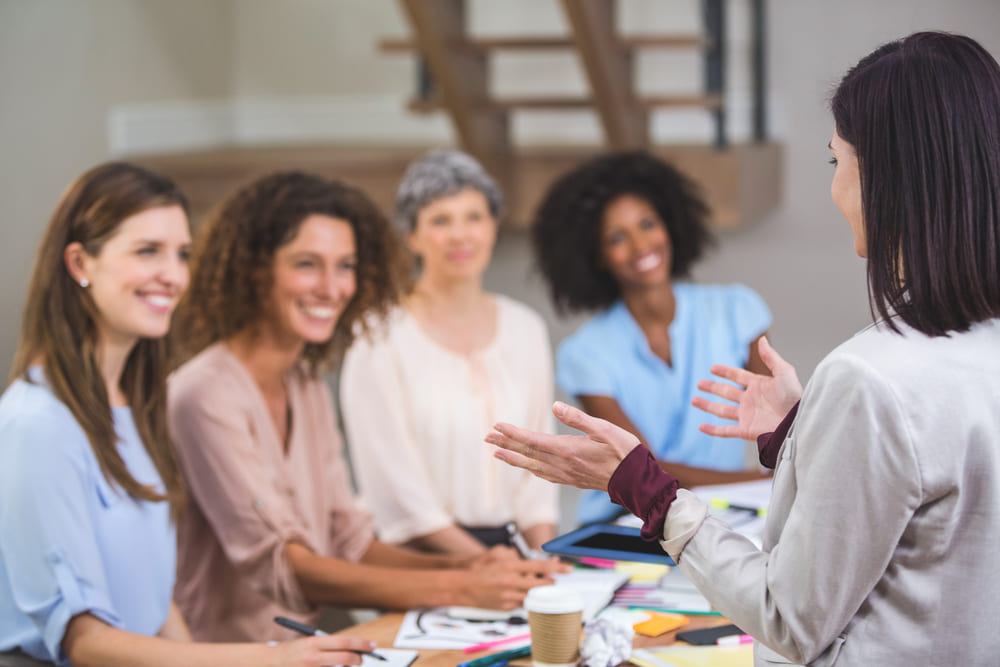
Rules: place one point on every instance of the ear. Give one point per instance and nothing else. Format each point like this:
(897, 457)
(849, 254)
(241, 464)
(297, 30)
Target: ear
(75, 258)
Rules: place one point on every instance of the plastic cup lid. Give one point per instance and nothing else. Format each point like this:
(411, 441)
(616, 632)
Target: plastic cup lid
(553, 600)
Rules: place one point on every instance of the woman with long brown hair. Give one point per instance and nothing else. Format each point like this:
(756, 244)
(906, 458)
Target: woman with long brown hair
(88, 481)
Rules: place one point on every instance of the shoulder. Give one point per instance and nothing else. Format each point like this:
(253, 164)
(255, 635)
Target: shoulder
(37, 431)
(513, 313)
(724, 297)
(211, 370)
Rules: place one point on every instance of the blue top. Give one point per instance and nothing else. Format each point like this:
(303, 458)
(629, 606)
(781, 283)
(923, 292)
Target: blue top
(610, 356)
(70, 542)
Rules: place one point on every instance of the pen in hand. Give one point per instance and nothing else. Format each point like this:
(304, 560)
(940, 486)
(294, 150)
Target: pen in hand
(308, 630)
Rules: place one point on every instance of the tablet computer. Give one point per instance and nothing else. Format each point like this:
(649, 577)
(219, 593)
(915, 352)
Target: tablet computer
(608, 541)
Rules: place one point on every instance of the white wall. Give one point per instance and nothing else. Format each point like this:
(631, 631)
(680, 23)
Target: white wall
(64, 64)
(68, 66)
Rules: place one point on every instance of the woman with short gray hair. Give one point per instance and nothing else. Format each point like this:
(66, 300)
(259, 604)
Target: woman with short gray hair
(452, 360)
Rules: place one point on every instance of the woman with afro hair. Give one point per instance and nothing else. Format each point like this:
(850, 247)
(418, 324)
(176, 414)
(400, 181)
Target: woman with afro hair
(618, 235)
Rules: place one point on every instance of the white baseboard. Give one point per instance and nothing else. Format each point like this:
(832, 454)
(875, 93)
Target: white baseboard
(368, 119)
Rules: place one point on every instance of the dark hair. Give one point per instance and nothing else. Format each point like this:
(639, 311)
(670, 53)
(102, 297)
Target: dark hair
(923, 116)
(567, 228)
(59, 325)
(233, 257)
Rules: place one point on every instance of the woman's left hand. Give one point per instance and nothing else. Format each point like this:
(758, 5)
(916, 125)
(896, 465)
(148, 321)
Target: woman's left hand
(584, 461)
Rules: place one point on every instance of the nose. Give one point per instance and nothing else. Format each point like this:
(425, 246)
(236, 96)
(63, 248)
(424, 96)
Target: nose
(176, 273)
(337, 285)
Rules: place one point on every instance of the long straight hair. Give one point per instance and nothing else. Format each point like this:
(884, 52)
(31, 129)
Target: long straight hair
(59, 327)
(923, 115)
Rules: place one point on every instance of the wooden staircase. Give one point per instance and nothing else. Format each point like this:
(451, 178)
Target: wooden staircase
(741, 181)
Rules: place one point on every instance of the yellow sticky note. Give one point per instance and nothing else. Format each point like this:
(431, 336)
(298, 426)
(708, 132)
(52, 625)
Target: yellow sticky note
(642, 571)
(658, 623)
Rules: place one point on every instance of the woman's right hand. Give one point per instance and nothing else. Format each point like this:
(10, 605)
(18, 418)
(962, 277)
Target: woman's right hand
(762, 401)
(321, 651)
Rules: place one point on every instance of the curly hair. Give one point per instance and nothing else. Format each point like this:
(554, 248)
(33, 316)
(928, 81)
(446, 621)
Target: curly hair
(566, 231)
(233, 257)
(438, 174)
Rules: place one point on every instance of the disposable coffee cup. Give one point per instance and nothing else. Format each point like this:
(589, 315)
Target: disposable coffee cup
(555, 616)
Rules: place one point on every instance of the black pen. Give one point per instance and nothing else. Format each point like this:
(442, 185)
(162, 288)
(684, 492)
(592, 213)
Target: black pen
(304, 629)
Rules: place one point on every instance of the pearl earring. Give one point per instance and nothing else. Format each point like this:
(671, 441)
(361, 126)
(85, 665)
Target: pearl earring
(84, 282)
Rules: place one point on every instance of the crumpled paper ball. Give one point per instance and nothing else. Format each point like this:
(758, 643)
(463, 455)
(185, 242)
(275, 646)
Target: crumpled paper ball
(607, 642)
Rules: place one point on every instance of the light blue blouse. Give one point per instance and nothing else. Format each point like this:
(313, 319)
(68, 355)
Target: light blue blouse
(70, 542)
(610, 356)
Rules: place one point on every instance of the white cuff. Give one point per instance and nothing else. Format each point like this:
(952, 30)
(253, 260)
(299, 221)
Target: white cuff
(684, 518)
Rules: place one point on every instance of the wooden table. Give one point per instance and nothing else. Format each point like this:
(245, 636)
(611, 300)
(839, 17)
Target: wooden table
(383, 630)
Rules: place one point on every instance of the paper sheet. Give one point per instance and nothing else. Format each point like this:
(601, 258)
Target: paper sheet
(694, 656)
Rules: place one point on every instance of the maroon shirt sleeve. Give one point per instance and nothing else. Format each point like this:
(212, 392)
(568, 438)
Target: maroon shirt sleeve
(769, 444)
(645, 489)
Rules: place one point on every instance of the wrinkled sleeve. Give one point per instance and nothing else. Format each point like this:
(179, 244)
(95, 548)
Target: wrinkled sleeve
(240, 497)
(579, 367)
(54, 566)
(390, 469)
(537, 501)
(857, 486)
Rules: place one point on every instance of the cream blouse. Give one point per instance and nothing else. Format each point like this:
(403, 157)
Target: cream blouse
(415, 415)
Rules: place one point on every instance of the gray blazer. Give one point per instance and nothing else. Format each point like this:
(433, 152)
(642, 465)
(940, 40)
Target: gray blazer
(882, 543)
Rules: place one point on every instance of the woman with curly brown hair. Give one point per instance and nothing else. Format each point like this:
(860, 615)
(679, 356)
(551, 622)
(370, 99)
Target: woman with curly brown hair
(88, 482)
(620, 234)
(282, 274)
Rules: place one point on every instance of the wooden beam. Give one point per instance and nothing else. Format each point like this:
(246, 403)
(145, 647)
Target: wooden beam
(461, 79)
(609, 70)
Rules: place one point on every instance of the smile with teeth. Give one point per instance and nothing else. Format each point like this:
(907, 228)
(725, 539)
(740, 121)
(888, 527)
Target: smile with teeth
(319, 312)
(158, 301)
(648, 261)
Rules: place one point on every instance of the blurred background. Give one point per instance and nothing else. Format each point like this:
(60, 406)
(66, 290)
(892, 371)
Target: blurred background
(214, 90)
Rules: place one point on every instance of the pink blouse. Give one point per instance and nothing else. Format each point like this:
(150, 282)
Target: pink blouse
(247, 498)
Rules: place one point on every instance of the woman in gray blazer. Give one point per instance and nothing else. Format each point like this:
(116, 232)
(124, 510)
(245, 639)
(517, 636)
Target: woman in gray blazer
(884, 523)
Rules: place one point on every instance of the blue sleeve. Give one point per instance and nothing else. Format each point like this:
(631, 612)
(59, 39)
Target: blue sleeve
(580, 370)
(53, 565)
(749, 315)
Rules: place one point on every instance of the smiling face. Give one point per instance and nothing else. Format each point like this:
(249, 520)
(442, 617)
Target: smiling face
(314, 278)
(137, 277)
(846, 190)
(454, 236)
(634, 244)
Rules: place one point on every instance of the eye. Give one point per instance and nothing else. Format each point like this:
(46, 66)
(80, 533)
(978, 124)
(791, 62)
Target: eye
(648, 223)
(305, 263)
(349, 265)
(614, 239)
(833, 161)
(184, 254)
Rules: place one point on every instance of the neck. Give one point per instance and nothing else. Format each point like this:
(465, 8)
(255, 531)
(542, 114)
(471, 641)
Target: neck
(653, 305)
(448, 295)
(266, 357)
(111, 358)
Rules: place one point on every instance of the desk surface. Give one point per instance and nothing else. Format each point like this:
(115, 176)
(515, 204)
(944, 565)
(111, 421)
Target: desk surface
(383, 630)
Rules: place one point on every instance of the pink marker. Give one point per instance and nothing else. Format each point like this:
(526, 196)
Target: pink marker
(734, 640)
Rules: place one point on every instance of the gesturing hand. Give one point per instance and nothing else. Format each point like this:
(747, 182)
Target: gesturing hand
(584, 461)
(762, 401)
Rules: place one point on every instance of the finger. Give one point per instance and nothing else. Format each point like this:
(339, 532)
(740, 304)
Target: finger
(598, 430)
(722, 390)
(339, 643)
(769, 355)
(740, 376)
(721, 431)
(535, 467)
(718, 409)
(337, 658)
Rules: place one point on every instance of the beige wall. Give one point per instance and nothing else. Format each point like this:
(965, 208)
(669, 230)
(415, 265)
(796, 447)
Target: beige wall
(65, 64)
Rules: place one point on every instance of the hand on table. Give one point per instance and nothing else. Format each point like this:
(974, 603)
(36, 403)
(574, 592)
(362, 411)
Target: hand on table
(762, 401)
(584, 461)
(321, 651)
(503, 583)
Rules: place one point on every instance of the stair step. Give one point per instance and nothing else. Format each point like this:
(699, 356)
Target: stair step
(692, 101)
(553, 42)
